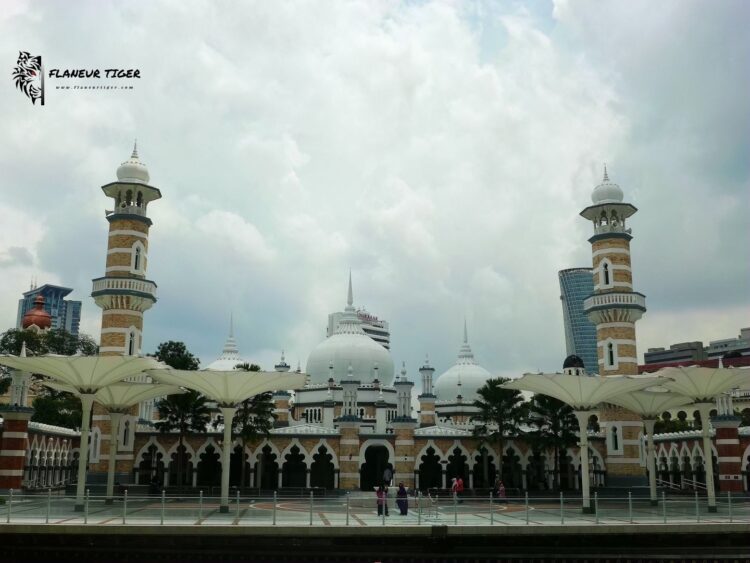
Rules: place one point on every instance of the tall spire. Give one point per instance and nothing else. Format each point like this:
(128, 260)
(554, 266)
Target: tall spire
(466, 333)
(231, 325)
(465, 355)
(350, 295)
(606, 176)
(135, 149)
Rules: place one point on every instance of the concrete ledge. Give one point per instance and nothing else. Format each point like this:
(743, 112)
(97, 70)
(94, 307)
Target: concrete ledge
(286, 530)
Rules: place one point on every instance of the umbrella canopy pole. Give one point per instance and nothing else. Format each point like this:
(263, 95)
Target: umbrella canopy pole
(648, 423)
(87, 401)
(228, 414)
(708, 458)
(583, 423)
(114, 435)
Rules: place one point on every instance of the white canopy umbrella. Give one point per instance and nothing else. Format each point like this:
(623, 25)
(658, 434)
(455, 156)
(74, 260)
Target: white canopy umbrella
(583, 394)
(87, 374)
(702, 386)
(650, 404)
(118, 398)
(229, 389)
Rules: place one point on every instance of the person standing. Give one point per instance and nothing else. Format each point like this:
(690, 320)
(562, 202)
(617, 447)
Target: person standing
(402, 499)
(387, 477)
(381, 494)
(459, 488)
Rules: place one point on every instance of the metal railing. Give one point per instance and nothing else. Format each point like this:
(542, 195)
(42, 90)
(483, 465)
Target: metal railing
(361, 509)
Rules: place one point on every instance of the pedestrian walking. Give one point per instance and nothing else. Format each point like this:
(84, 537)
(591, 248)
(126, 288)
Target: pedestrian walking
(402, 499)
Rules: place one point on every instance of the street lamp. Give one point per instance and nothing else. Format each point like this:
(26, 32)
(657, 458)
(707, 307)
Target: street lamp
(229, 389)
(87, 375)
(583, 393)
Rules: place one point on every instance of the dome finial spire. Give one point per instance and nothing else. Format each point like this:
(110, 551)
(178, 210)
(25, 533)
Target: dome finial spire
(135, 149)
(350, 295)
(466, 333)
(606, 176)
(231, 325)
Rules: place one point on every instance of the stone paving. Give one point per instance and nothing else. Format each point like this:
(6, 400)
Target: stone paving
(360, 510)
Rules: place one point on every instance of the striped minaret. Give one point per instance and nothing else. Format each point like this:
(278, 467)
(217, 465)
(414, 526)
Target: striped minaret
(124, 293)
(614, 308)
(15, 431)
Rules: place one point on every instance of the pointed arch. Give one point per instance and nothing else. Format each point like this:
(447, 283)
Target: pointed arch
(254, 458)
(429, 444)
(375, 442)
(323, 442)
(210, 441)
(295, 442)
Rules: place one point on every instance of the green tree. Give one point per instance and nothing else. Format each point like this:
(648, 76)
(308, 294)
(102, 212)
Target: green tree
(254, 418)
(176, 355)
(186, 412)
(50, 407)
(554, 428)
(500, 413)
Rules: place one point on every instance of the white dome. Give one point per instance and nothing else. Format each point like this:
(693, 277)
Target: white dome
(230, 355)
(133, 170)
(358, 350)
(350, 346)
(606, 192)
(465, 377)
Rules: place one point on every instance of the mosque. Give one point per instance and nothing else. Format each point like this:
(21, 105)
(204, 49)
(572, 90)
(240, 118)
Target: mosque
(354, 417)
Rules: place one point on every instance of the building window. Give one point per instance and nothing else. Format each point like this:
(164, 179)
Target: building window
(615, 439)
(138, 257)
(131, 343)
(610, 354)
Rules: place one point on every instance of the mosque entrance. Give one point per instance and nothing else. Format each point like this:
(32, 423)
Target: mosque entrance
(372, 470)
(294, 470)
(322, 469)
(151, 468)
(457, 467)
(180, 467)
(267, 470)
(430, 471)
(512, 470)
(239, 475)
(484, 469)
(209, 468)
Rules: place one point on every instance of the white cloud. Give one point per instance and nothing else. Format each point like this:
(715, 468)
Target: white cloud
(441, 151)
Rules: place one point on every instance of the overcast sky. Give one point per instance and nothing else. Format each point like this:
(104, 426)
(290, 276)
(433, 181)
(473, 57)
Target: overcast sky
(441, 150)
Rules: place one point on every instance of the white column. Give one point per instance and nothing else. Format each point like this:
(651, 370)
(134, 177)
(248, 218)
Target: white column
(228, 414)
(307, 478)
(114, 434)
(583, 422)
(705, 410)
(648, 423)
(87, 401)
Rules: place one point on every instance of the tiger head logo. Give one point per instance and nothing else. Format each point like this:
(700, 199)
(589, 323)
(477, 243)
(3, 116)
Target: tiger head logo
(29, 76)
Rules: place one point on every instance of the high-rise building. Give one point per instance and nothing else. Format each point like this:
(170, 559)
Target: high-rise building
(375, 328)
(65, 314)
(576, 284)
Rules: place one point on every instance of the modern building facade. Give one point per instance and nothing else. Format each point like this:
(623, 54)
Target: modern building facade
(375, 328)
(65, 313)
(683, 351)
(576, 284)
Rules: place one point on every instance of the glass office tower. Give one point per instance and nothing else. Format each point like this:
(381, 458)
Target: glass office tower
(576, 284)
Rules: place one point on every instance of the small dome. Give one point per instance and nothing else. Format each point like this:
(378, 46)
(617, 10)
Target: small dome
(606, 192)
(573, 361)
(37, 316)
(464, 378)
(133, 170)
(230, 355)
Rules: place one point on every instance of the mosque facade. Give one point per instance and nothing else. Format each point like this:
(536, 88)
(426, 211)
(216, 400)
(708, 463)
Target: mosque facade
(353, 420)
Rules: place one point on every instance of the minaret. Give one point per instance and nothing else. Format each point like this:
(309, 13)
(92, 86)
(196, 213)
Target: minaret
(614, 308)
(124, 293)
(427, 397)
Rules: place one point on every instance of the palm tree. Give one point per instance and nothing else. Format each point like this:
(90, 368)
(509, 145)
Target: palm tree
(500, 413)
(554, 426)
(185, 413)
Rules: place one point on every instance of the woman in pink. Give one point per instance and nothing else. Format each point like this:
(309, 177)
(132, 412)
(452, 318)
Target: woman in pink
(382, 500)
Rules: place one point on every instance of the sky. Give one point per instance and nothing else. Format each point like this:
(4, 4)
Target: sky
(441, 151)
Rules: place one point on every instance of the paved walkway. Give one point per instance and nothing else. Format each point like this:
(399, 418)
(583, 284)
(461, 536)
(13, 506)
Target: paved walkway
(361, 511)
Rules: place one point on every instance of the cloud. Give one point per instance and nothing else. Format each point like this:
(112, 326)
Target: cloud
(441, 151)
